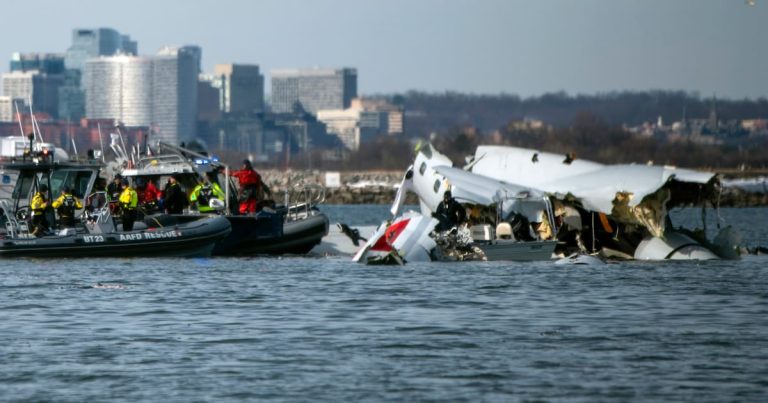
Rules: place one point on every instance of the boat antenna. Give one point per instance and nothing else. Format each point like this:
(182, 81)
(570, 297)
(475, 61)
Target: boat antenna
(148, 150)
(120, 136)
(135, 153)
(115, 147)
(101, 142)
(35, 127)
(71, 135)
(18, 116)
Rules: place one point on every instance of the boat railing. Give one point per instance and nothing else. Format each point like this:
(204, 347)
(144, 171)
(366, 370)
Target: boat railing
(160, 160)
(300, 200)
(14, 228)
(97, 215)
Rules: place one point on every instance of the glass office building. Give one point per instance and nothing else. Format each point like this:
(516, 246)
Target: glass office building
(159, 92)
(312, 90)
(119, 87)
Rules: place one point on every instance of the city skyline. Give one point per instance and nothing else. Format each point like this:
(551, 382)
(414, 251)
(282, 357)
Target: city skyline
(517, 47)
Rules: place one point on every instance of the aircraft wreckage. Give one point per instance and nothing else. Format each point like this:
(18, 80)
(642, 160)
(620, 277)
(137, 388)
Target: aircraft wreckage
(525, 204)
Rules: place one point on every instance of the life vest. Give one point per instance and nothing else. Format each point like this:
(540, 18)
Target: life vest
(68, 205)
(129, 199)
(38, 204)
(205, 195)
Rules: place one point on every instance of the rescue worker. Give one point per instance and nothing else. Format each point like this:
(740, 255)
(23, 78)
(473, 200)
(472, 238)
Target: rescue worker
(38, 205)
(449, 212)
(129, 200)
(148, 195)
(250, 186)
(114, 189)
(202, 194)
(65, 205)
(175, 199)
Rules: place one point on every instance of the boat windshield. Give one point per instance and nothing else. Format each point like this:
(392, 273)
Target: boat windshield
(23, 185)
(77, 180)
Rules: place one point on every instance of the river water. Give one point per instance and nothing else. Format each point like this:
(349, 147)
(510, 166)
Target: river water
(325, 329)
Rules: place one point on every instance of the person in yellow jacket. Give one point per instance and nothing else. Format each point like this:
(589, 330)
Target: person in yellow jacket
(203, 193)
(129, 200)
(66, 204)
(38, 205)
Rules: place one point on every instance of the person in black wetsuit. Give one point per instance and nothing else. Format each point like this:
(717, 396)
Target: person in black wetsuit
(449, 212)
(175, 199)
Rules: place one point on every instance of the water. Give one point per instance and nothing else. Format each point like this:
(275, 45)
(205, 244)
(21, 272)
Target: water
(324, 329)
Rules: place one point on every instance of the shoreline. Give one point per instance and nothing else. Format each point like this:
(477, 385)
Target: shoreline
(379, 187)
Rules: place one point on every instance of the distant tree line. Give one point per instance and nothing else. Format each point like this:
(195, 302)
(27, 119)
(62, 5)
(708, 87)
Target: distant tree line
(590, 127)
(433, 112)
(588, 137)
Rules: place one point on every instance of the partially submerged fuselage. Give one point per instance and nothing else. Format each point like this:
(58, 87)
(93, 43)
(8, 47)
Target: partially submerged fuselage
(619, 210)
(490, 203)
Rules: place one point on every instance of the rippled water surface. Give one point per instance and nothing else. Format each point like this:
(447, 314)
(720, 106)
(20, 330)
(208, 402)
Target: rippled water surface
(325, 329)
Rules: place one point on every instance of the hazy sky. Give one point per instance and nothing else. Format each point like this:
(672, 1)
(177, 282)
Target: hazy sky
(479, 46)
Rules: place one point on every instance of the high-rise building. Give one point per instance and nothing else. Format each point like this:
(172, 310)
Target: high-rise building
(119, 87)
(174, 93)
(158, 91)
(6, 109)
(42, 89)
(19, 85)
(36, 77)
(72, 96)
(208, 97)
(90, 43)
(312, 90)
(47, 63)
(241, 88)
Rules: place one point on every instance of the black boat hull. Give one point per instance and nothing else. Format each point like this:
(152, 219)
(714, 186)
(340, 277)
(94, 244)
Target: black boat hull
(266, 234)
(263, 236)
(192, 239)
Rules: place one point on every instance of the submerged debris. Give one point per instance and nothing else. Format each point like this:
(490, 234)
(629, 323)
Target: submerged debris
(456, 244)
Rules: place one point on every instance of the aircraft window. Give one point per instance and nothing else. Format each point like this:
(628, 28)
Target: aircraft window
(427, 151)
(422, 168)
(437, 185)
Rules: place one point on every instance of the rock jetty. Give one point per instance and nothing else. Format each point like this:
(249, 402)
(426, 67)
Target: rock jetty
(368, 187)
(379, 187)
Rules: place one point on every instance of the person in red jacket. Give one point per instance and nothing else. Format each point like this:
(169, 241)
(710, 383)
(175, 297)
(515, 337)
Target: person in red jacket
(250, 184)
(148, 195)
